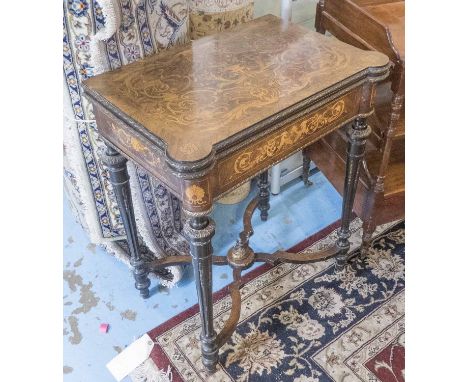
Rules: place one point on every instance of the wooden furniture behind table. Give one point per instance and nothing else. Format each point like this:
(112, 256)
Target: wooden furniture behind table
(209, 116)
(374, 25)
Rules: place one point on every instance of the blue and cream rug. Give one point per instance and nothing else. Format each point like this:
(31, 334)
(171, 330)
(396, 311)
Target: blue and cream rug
(304, 323)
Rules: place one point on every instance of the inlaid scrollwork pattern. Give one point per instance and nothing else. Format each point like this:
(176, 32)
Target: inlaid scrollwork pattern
(250, 159)
(218, 86)
(132, 142)
(282, 142)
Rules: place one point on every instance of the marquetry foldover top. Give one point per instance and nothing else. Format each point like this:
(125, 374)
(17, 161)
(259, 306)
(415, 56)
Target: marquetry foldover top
(195, 99)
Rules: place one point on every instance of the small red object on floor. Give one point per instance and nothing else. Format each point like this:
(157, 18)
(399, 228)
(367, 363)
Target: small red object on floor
(103, 328)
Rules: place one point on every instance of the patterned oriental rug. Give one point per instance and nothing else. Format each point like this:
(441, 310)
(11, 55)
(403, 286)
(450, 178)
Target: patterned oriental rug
(303, 323)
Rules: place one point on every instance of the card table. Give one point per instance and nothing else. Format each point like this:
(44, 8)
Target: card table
(206, 117)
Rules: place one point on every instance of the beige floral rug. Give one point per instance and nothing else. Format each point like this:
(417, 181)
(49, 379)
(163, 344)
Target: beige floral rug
(304, 323)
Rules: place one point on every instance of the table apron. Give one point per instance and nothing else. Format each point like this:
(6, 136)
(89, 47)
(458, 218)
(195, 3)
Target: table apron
(257, 154)
(135, 147)
(264, 152)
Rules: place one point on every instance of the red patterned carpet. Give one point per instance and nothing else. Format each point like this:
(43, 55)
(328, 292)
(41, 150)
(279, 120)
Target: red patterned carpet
(304, 323)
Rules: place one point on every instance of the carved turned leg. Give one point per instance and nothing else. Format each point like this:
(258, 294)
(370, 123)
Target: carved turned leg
(119, 178)
(306, 168)
(375, 195)
(199, 231)
(373, 198)
(357, 135)
(263, 195)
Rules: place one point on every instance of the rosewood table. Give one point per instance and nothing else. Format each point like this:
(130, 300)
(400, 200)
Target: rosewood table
(206, 117)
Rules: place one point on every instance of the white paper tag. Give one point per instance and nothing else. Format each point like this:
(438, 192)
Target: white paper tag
(132, 356)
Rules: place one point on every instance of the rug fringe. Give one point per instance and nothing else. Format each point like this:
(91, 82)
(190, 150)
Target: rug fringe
(149, 372)
(113, 19)
(76, 162)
